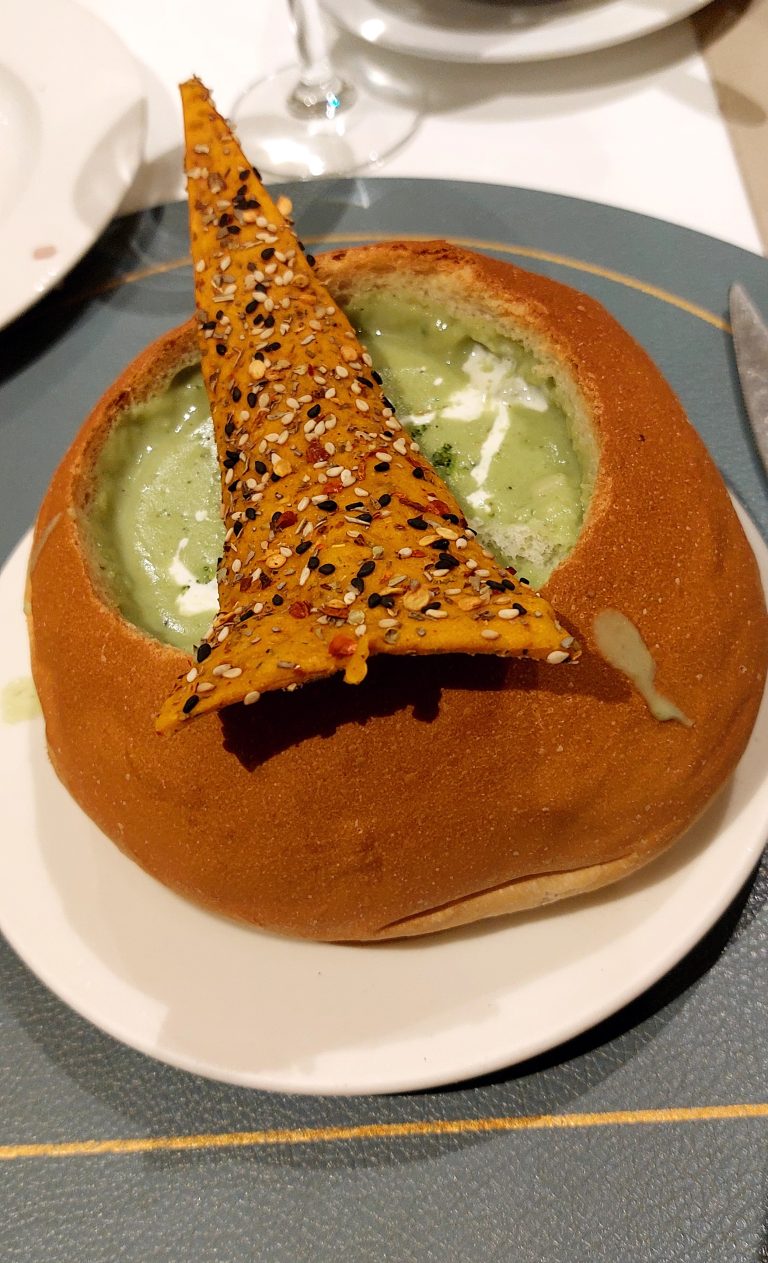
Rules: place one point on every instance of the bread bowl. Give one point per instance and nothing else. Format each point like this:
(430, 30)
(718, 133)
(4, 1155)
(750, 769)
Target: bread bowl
(440, 790)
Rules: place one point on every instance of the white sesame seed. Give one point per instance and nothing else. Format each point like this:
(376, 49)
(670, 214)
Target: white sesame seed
(556, 656)
(509, 613)
(489, 634)
(251, 697)
(436, 613)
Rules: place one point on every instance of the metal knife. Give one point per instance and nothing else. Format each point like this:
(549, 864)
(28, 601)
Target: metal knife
(750, 342)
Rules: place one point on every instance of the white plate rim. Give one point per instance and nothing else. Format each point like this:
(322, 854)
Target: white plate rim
(652, 920)
(75, 115)
(575, 31)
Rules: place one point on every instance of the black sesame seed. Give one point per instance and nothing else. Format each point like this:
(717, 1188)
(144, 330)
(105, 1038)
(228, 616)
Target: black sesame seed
(237, 394)
(250, 513)
(328, 506)
(269, 321)
(376, 377)
(385, 500)
(244, 617)
(190, 704)
(258, 320)
(365, 517)
(229, 429)
(224, 220)
(314, 411)
(259, 466)
(267, 253)
(311, 260)
(203, 652)
(494, 585)
(418, 472)
(251, 399)
(274, 478)
(357, 584)
(272, 346)
(450, 517)
(527, 582)
(388, 403)
(243, 175)
(356, 504)
(234, 230)
(433, 605)
(382, 467)
(208, 324)
(446, 562)
(313, 563)
(327, 568)
(229, 462)
(303, 546)
(238, 528)
(220, 348)
(438, 544)
(367, 568)
(508, 585)
(373, 600)
(365, 382)
(417, 523)
(277, 599)
(251, 307)
(388, 602)
(520, 608)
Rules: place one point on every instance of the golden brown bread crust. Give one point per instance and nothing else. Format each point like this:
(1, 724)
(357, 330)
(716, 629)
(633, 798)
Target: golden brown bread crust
(439, 790)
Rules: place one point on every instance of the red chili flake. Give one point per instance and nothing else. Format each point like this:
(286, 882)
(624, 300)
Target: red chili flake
(316, 452)
(289, 518)
(414, 504)
(342, 646)
(299, 609)
(439, 506)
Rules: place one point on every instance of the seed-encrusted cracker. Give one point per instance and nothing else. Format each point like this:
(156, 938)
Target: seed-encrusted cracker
(341, 541)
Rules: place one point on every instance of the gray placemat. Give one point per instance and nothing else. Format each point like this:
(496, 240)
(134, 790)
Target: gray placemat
(645, 1139)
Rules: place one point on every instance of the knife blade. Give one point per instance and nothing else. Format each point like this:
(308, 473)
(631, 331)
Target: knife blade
(750, 342)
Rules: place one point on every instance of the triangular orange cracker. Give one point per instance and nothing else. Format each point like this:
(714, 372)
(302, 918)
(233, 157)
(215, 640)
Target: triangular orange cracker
(341, 541)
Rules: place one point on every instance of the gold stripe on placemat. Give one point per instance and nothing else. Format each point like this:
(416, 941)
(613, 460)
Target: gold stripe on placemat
(472, 243)
(384, 1131)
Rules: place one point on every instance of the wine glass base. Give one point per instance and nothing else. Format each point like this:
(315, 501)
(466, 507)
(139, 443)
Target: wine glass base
(357, 136)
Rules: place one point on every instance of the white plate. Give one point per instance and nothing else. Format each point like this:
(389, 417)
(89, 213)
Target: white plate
(207, 995)
(71, 137)
(502, 30)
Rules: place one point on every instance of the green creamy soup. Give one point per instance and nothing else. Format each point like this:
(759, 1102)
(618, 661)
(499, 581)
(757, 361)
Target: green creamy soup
(479, 406)
(156, 515)
(485, 415)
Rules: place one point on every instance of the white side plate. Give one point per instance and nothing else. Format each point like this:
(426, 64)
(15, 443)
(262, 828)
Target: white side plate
(71, 139)
(503, 31)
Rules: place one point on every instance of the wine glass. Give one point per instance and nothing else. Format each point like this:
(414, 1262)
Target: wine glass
(308, 120)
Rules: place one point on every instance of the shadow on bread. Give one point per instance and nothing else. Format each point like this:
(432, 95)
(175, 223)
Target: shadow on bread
(282, 719)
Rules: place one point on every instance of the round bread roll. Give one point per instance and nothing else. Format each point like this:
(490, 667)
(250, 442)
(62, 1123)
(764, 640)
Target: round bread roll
(441, 790)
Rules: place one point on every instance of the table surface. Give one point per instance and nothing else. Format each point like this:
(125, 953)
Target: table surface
(642, 1140)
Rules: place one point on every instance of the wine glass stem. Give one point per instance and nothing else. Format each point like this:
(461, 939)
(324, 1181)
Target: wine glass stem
(320, 92)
